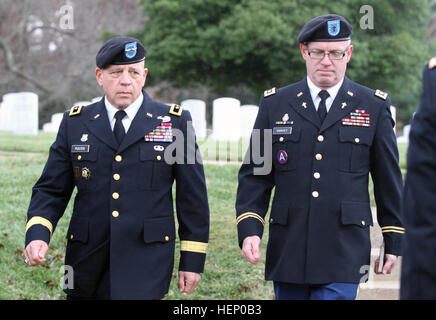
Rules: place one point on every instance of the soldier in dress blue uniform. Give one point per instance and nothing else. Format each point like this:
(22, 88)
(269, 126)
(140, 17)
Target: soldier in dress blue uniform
(121, 237)
(418, 278)
(328, 134)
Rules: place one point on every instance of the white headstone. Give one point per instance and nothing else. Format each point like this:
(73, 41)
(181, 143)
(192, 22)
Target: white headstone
(6, 112)
(226, 119)
(96, 99)
(405, 137)
(248, 117)
(81, 103)
(49, 127)
(197, 108)
(21, 113)
(394, 116)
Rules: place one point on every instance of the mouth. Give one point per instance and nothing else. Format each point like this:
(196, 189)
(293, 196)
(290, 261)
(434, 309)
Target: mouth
(124, 93)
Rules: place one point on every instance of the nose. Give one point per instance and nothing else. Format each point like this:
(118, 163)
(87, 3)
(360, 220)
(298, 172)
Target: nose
(326, 60)
(125, 79)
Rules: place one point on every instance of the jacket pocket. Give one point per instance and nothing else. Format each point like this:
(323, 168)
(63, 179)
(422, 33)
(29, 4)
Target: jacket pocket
(354, 148)
(78, 230)
(279, 213)
(159, 230)
(153, 170)
(285, 150)
(84, 168)
(356, 213)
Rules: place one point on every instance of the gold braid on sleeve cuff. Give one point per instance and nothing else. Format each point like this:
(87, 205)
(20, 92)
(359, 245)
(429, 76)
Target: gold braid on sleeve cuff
(193, 246)
(42, 221)
(250, 215)
(393, 229)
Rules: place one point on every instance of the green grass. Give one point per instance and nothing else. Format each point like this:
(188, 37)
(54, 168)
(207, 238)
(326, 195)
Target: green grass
(226, 276)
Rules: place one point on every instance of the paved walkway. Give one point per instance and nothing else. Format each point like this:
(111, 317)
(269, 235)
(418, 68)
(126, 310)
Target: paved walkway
(380, 287)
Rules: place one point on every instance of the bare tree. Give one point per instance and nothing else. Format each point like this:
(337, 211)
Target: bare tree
(49, 46)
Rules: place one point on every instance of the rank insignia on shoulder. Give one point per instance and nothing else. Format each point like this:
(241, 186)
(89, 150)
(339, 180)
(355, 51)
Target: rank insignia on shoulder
(75, 110)
(269, 92)
(381, 94)
(176, 110)
(432, 63)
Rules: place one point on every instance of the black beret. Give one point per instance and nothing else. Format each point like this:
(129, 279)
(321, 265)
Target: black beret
(120, 50)
(329, 27)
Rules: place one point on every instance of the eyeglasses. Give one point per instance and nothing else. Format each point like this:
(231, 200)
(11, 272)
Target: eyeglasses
(333, 55)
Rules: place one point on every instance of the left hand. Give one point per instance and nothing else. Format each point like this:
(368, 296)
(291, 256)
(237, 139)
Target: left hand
(188, 281)
(390, 260)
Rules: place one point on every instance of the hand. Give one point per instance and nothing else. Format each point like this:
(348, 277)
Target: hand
(34, 253)
(188, 281)
(250, 249)
(390, 260)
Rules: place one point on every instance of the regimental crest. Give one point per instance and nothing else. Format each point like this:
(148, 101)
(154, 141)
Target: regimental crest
(130, 50)
(333, 27)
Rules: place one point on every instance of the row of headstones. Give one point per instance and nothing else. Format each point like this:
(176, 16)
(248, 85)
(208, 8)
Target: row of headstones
(230, 120)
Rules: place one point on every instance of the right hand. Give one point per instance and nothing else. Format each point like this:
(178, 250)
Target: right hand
(250, 249)
(35, 252)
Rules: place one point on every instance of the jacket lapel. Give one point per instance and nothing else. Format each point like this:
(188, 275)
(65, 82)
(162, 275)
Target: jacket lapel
(343, 104)
(301, 101)
(142, 124)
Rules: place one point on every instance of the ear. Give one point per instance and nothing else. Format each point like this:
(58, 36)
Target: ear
(303, 50)
(350, 50)
(99, 76)
(145, 73)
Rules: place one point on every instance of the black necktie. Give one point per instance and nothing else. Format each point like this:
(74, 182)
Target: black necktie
(119, 128)
(322, 109)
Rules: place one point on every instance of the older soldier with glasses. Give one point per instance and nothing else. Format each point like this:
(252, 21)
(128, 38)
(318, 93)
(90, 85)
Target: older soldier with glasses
(328, 135)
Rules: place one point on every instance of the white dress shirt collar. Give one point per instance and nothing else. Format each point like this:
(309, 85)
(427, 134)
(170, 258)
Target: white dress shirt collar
(333, 92)
(131, 111)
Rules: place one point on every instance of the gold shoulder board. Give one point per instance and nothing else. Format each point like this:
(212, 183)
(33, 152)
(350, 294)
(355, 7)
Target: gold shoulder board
(269, 92)
(381, 94)
(75, 110)
(176, 110)
(432, 63)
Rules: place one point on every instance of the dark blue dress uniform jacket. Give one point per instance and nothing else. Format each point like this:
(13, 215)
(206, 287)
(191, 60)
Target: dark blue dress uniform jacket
(418, 279)
(320, 214)
(124, 196)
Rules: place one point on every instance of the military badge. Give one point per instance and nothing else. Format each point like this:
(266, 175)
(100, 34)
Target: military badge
(333, 27)
(381, 94)
(130, 50)
(163, 133)
(165, 118)
(84, 137)
(357, 118)
(76, 172)
(282, 156)
(269, 92)
(86, 173)
(285, 119)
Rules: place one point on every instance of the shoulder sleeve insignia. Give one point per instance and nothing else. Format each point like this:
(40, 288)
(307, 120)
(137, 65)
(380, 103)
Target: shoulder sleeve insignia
(75, 110)
(176, 110)
(269, 92)
(432, 63)
(381, 94)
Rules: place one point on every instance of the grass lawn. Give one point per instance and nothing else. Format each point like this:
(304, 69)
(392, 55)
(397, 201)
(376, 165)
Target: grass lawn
(227, 275)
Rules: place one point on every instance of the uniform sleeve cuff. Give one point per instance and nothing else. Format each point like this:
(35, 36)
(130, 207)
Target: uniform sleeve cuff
(192, 261)
(249, 225)
(393, 243)
(37, 232)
